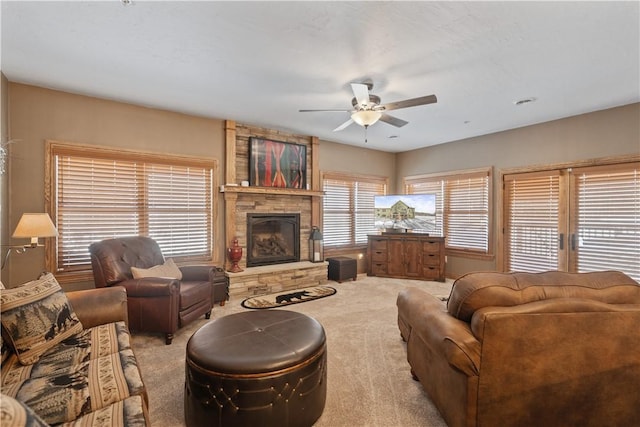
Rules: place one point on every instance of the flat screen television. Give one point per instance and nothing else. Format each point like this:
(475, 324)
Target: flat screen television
(401, 213)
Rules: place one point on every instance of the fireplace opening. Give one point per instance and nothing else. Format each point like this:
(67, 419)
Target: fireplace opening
(272, 239)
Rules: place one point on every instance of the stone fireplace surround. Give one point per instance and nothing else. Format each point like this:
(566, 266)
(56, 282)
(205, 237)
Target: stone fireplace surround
(240, 201)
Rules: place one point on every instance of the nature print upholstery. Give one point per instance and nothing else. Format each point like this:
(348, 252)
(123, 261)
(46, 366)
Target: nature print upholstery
(78, 390)
(14, 413)
(126, 412)
(36, 316)
(89, 344)
(62, 374)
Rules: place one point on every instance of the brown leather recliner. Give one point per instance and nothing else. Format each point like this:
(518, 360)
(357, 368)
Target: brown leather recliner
(155, 304)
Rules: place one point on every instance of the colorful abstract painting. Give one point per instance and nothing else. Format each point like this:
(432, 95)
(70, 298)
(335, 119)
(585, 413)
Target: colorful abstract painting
(277, 164)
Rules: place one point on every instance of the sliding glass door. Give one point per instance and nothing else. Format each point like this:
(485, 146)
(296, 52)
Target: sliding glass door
(573, 219)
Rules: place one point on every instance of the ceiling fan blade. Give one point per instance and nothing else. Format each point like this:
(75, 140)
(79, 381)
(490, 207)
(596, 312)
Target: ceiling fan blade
(324, 111)
(361, 92)
(344, 125)
(414, 102)
(394, 121)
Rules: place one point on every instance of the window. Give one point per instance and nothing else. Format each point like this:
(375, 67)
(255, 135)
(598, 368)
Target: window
(99, 193)
(348, 210)
(577, 219)
(463, 200)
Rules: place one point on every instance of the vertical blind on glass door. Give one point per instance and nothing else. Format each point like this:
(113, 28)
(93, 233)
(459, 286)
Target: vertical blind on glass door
(531, 231)
(574, 219)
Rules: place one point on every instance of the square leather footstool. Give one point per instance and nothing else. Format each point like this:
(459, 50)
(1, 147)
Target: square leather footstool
(342, 268)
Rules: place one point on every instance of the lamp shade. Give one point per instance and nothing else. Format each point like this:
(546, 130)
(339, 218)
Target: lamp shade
(366, 117)
(35, 225)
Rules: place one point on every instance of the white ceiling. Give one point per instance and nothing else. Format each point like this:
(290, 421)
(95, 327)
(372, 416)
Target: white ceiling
(260, 62)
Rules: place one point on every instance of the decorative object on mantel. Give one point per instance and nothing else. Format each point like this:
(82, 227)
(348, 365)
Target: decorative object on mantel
(316, 245)
(283, 298)
(235, 255)
(31, 226)
(277, 164)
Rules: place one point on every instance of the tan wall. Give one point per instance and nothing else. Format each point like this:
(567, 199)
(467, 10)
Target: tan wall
(336, 157)
(607, 133)
(4, 179)
(37, 114)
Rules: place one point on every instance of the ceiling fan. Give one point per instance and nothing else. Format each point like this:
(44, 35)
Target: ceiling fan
(367, 109)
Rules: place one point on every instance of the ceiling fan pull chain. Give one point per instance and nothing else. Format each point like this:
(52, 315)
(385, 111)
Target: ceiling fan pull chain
(365, 134)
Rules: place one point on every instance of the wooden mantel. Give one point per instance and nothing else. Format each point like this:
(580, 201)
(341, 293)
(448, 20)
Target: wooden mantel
(274, 191)
(231, 192)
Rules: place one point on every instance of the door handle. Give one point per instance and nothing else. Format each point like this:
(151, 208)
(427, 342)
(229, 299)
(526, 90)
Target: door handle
(561, 241)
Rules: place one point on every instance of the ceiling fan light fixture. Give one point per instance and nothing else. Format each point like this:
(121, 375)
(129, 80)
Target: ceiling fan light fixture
(366, 117)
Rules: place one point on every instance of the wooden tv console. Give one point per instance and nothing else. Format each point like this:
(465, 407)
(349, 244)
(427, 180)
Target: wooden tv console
(406, 255)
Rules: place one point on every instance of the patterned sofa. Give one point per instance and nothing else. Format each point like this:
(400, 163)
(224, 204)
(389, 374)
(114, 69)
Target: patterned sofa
(67, 358)
(528, 349)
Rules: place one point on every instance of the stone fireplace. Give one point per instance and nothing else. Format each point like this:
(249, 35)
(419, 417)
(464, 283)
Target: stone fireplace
(269, 274)
(272, 238)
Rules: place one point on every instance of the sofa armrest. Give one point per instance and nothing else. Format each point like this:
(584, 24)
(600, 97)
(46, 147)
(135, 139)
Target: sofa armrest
(151, 287)
(446, 335)
(99, 306)
(197, 273)
(453, 338)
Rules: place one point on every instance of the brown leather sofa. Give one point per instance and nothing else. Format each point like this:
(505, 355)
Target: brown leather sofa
(523, 349)
(155, 304)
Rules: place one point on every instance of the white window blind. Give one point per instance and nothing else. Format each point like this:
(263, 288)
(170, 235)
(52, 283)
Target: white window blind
(96, 198)
(531, 234)
(462, 207)
(348, 209)
(607, 200)
(467, 213)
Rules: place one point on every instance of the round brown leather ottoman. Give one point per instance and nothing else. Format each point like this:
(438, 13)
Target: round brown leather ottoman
(256, 368)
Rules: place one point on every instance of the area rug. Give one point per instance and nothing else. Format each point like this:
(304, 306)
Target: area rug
(289, 297)
(369, 381)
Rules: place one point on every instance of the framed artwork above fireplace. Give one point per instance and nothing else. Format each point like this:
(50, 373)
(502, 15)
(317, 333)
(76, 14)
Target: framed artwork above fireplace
(277, 164)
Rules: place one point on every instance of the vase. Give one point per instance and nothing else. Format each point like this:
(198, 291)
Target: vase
(235, 255)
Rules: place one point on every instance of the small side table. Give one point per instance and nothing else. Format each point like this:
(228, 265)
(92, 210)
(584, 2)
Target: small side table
(342, 268)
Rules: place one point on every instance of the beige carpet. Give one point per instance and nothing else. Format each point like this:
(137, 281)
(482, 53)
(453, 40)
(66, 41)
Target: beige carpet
(368, 380)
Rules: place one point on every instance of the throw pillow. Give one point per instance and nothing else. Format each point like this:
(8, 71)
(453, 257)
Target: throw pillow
(36, 316)
(168, 269)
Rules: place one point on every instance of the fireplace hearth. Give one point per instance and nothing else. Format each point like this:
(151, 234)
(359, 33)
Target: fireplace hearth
(272, 238)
